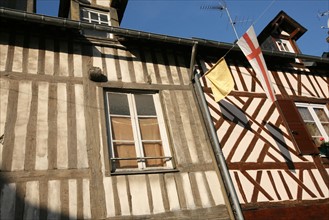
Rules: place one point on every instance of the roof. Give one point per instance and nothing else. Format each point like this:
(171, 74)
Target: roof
(282, 22)
(66, 24)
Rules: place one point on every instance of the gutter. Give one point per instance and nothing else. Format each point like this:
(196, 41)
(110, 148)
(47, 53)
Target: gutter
(66, 23)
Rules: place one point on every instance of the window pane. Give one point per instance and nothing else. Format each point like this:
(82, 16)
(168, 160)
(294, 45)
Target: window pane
(326, 127)
(154, 150)
(103, 18)
(124, 150)
(145, 105)
(118, 104)
(313, 129)
(149, 128)
(321, 114)
(84, 14)
(306, 115)
(121, 128)
(94, 16)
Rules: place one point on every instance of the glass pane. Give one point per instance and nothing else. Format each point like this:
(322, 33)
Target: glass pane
(149, 128)
(321, 114)
(121, 128)
(313, 129)
(326, 127)
(124, 150)
(154, 150)
(118, 103)
(306, 115)
(84, 14)
(94, 16)
(145, 105)
(103, 18)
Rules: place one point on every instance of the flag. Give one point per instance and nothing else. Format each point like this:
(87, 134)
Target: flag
(221, 79)
(249, 45)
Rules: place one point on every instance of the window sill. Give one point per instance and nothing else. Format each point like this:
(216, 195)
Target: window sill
(136, 172)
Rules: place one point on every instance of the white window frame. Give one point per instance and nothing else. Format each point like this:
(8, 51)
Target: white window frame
(311, 108)
(137, 135)
(284, 45)
(98, 13)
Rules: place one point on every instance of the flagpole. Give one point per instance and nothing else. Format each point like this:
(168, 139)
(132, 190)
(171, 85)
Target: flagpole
(220, 159)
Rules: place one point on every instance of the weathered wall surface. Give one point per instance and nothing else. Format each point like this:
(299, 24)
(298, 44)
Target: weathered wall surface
(53, 152)
(263, 161)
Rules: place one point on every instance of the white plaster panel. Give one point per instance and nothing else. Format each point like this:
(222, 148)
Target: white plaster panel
(173, 68)
(32, 62)
(54, 202)
(150, 67)
(215, 187)
(73, 199)
(97, 57)
(172, 193)
(110, 208)
(157, 196)
(41, 160)
(3, 51)
(86, 199)
(232, 140)
(49, 57)
(18, 55)
(23, 114)
(188, 193)
(81, 128)
(187, 127)
(4, 92)
(123, 195)
(204, 196)
(7, 201)
(77, 61)
(138, 192)
(63, 59)
(162, 68)
(184, 71)
(110, 64)
(62, 131)
(139, 74)
(124, 67)
(31, 210)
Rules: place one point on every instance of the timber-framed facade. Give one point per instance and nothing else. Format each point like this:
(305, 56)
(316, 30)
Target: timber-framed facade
(57, 146)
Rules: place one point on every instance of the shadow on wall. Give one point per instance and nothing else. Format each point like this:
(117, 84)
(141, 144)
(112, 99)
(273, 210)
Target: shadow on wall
(22, 200)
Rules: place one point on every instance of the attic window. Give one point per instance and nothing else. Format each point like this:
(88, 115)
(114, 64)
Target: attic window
(94, 16)
(284, 45)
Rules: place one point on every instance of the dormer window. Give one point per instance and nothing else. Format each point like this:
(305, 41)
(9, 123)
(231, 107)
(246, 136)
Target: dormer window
(93, 16)
(284, 45)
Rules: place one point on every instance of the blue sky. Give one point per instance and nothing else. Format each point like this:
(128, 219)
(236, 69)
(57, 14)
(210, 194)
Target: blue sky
(186, 18)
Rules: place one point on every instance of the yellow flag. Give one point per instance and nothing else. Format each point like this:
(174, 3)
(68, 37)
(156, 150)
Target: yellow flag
(222, 82)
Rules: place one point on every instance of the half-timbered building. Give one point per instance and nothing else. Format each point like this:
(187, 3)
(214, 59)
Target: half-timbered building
(276, 152)
(101, 122)
(96, 124)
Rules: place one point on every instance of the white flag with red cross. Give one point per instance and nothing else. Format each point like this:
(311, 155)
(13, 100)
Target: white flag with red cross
(248, 43)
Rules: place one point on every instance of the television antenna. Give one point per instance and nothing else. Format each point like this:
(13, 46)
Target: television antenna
(223, 7)
(326, 13)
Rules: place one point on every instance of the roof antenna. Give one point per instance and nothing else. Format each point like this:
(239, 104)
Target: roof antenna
(326, 13)
(221, 7)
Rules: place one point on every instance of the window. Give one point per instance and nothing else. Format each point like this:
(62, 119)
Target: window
(316, 119)
(138, 139)
(284, 45)
(296, 127)
(95, 17)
